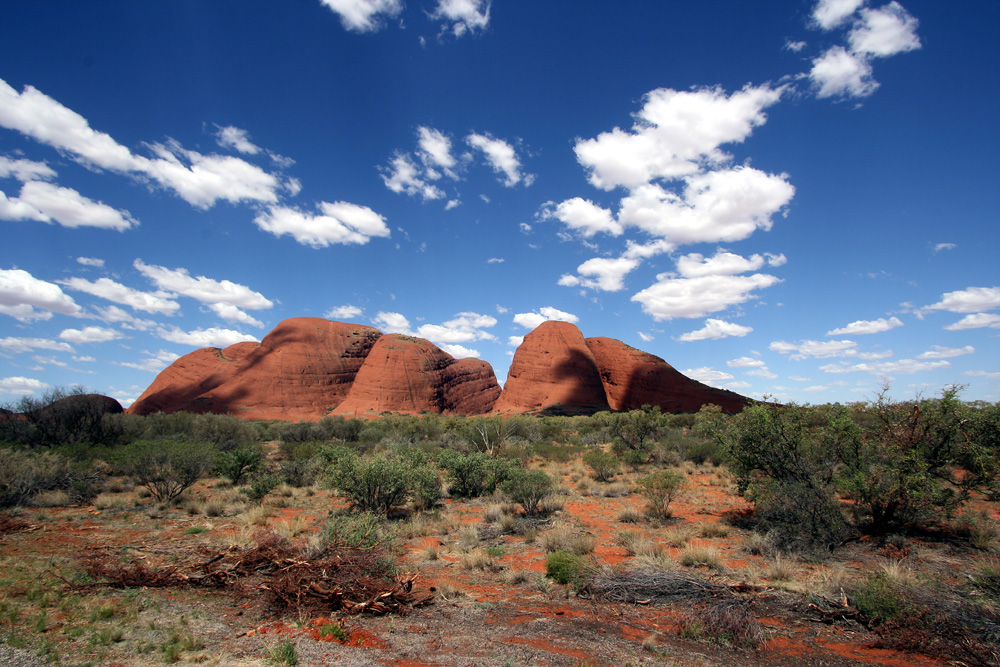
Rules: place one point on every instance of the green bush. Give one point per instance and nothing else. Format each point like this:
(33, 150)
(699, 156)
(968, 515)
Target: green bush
(660, 488)
(528, 488)
(785, 468)
(373, 483)
(426, 486)
(911, 461)
(635, 430)
(475, 474)
(165, 467)
(24, 474)
(238, 463)
(260, 486)
(360, 531)
(604, 465)
(564, 567)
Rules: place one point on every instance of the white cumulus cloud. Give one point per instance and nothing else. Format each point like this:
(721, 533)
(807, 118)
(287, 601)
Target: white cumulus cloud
(105, 288)
(672, 297)
(942, 352)
(90, 335)
(212, 337)
(21, 386)
(502, 157)
(463, 16)
(714, 329)
(364, 15)
(976, 321)
(867, 327)
(337, 223)
(544, 314)
(26, 298)
(344, 312)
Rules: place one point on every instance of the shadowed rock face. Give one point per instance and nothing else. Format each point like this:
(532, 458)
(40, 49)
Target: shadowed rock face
(410, 375)
(308, 367)
(553, 371)
(633, 378)
(180, 383)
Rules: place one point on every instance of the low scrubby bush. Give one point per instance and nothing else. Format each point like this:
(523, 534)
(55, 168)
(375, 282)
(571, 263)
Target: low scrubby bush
(604, 465)
(165, 467)
(239, 463)
(528, 488)
(660, 488)
(475, 474)
(565, 567)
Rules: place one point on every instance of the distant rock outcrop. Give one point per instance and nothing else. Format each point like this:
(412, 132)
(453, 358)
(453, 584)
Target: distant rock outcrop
(308, 367)
(411, 375)
(553, 371)
(633, 378)
(303, 369)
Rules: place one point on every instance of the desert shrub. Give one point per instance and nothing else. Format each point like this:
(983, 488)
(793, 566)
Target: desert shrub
(425, 483)
(565, 538)
(261, 485)
(339, 428)
(300, 472)
(788, 472)
(660, 488)
(634, 430)
(565, 567)
(492, 434)
(979, 528)
(165, 467)
(475, 474)
(226, 432)
(360, 531)
(604, 465)
(708, 422)
(371, 483)
(239, 463)
(24, 474)
(635, 459)
(910, 461)
(729, 622)
(302, 431)
(528, 488)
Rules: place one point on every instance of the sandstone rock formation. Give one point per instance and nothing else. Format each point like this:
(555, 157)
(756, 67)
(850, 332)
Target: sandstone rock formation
(553, 371)
(411, 375)
(633, 378)
(301, 370)
(308, 367)
(183, 381)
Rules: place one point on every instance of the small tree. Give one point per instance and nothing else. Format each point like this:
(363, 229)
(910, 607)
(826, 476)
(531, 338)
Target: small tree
(787, 470)
(660, 488)
(166, 467)
(905, 461)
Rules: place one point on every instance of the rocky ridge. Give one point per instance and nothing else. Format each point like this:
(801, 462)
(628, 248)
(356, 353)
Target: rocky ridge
(308, 368)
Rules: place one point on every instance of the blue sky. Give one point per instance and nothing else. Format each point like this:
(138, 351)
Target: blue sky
(793, 199)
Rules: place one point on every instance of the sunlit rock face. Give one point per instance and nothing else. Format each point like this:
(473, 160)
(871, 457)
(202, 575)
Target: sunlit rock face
(410, 375)
(553, 371)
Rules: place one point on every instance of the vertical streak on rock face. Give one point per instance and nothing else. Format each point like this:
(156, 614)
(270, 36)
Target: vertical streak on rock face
(553, 371)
